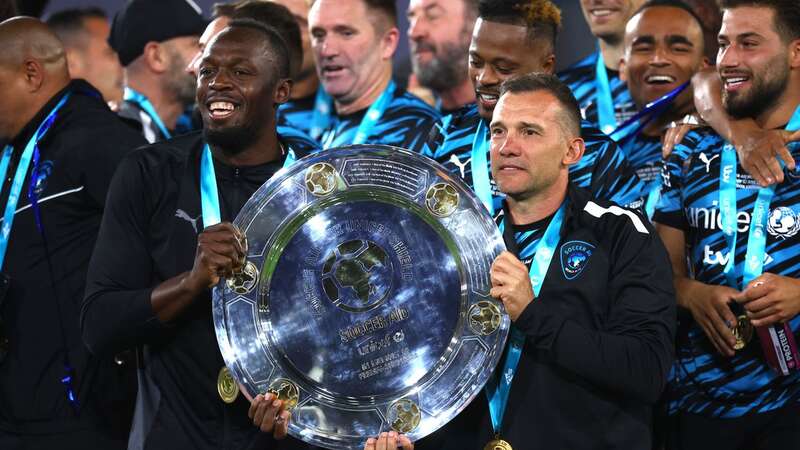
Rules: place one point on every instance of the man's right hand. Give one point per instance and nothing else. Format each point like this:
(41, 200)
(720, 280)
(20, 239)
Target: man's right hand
(389, 441)
(220, 251)
(759, 150)
(710, 308)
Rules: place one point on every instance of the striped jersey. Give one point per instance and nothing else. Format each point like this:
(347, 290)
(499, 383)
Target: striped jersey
(702, 380)
(580, 77)
(297, 113)
(644, 155)
(603, 169)
(405, 123)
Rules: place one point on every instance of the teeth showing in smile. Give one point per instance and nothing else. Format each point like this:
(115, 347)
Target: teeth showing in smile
(221, 109)
(601, 12)
(735, 81)
(660, 79)
(488, 97)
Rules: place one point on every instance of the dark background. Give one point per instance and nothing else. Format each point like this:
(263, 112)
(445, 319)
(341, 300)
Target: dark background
(574, 43)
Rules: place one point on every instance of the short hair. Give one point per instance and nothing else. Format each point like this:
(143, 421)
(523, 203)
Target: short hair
(386, 8)
(273, 40)
(69, 24)
(222, 10)
(542, 18)
(537, 81)
(786, 18)
(8, 9)
(679, 4)
(279, 17)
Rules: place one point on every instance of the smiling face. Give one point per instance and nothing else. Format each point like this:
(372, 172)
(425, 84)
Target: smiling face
(753, 61)
(238, 87)
(349, 52)
(663, 49)
(500, 51)
(607, 18)
(529, 147)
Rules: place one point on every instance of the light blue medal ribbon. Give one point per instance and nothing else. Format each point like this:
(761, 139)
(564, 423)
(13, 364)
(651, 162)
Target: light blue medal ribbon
(209, 195)
(499, 385)
(480, 167)
(133, 96)
(606, 115)
(321, 118)
(757, 236)
(371, 117)
(20, 174)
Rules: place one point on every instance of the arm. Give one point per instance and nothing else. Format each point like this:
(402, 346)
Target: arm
(708, 304)
(758, 149)
(122, 308)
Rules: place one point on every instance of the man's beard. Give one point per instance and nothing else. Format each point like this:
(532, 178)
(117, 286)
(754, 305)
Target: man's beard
(232, 140)
(765, 92)
(445, 70)
(182, 84)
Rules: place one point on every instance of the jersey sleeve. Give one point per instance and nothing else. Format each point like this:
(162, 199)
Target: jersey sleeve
(613, 177)
(116, 313)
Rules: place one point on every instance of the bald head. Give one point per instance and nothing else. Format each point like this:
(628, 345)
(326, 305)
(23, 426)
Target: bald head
(33, 68)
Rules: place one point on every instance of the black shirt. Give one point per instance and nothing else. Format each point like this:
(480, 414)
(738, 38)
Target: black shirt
(148, 235)
(599, 339)
(78, 156)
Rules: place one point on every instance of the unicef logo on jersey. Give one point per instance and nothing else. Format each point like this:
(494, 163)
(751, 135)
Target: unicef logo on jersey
(574, 258)
(45, 169)
(783, 223)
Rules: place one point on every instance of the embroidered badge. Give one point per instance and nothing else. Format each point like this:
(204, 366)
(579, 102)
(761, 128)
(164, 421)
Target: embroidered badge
(574, 258)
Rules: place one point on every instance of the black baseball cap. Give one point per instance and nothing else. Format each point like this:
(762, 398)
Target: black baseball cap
(143, 21)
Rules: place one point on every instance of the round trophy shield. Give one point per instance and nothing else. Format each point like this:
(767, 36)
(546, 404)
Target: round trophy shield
(364, 301)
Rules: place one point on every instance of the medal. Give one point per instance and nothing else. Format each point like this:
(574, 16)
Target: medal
(226, 386)
(743, 332)
(497, 444)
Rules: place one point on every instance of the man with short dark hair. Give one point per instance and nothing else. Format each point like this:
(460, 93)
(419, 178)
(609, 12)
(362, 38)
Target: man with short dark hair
(162, 247)
(741, 244)
(64, 145)
(155, 40)
(353, 43)
(439, 33)
(513, 38)
(602, 95)
(84, 33)
(663, 50)
(586, 284)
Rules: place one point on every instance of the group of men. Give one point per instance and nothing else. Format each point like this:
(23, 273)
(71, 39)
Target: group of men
(648, 338)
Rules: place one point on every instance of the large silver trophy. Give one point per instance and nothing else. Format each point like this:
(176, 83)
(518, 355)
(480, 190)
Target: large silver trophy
(364, 303)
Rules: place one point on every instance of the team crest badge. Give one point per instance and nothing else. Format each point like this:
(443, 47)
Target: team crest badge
(574, 258)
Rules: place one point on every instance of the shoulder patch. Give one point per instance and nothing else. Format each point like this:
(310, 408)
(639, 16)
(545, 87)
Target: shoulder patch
(598, 211)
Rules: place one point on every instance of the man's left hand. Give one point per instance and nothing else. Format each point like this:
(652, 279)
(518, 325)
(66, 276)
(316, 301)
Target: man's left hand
(511, 284)
(770, 299)
(267, 413)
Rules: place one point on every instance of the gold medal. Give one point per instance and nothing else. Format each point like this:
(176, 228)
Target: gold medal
(497, 444)
(226, 386)
(743, 332)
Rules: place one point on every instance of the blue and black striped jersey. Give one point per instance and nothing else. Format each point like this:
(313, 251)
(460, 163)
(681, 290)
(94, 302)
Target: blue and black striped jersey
(580, 77)
(644, 155)
(702, 380)
(299, 142)
(603, 169)
(405, 123)
(297, 113)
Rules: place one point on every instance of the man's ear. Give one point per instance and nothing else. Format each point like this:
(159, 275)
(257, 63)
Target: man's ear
(389, 43)
(622, 75)
(155, 57)
(794, 54)
(283, 91)
(574, 153)
(549, 64)
(34, 74)
(75, 62)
